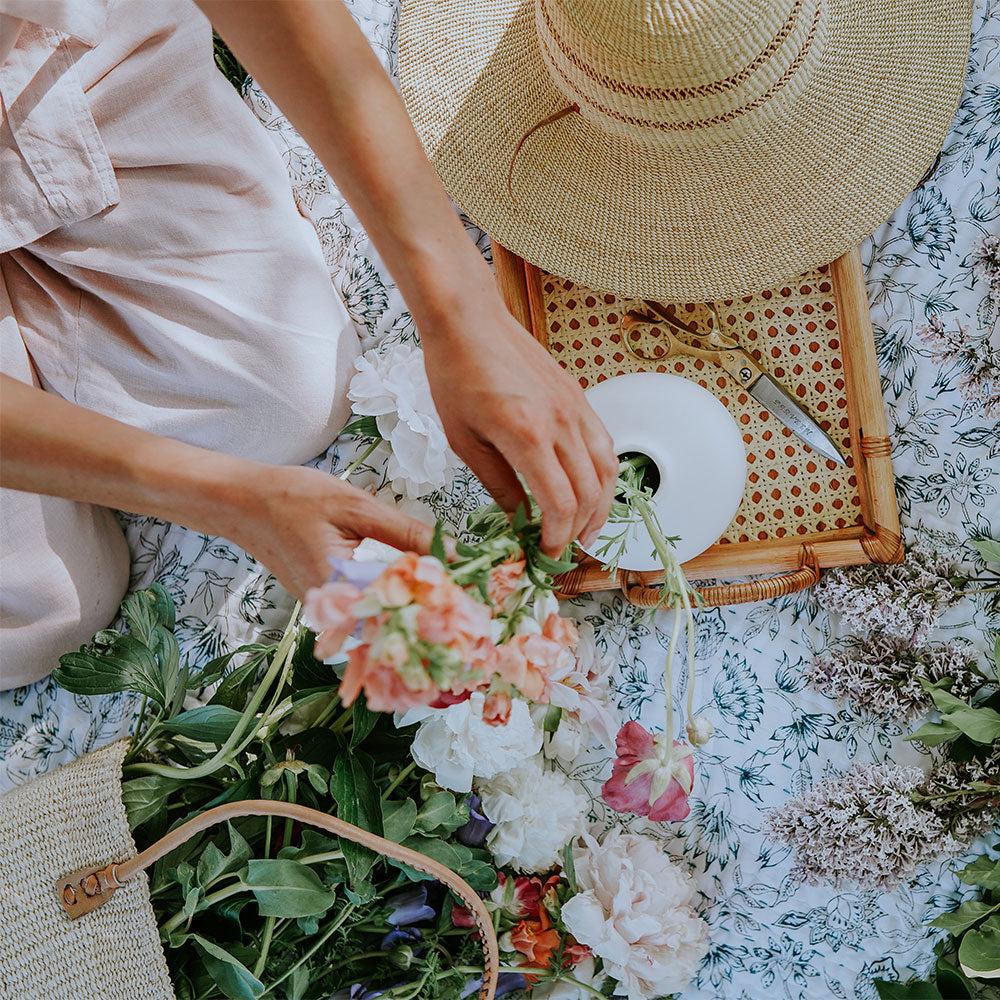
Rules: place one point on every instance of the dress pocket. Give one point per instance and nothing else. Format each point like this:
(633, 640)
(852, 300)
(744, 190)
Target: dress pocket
(54, 165)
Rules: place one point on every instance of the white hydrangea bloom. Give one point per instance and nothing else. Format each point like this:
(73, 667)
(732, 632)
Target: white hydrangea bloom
(391, 385)
(537, 813)
(634, 910)
(457, 745)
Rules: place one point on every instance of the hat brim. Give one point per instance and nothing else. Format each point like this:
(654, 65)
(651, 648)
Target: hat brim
(727, 218)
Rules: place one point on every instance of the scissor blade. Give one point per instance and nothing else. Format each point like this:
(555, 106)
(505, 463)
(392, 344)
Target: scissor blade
(777, 402)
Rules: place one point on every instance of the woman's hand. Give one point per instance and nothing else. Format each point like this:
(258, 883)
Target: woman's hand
(296, 518)
(508, 407)
(290, 518)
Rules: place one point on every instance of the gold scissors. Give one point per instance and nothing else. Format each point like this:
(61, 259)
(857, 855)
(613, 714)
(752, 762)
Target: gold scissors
(725, 351)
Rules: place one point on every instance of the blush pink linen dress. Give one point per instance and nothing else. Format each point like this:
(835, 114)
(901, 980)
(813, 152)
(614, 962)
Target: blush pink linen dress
(154, 268)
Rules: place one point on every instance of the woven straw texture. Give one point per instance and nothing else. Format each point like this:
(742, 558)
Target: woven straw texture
(792, 333)
(67, 820)
(720, 147)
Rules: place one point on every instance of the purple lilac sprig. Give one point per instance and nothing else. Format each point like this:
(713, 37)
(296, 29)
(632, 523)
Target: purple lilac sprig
(901, 600)
(883, 674)
(985, 261)
(877, 824)
(976, 358)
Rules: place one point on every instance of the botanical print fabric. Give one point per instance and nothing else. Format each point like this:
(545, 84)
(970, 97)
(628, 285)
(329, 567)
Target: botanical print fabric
(933, 274)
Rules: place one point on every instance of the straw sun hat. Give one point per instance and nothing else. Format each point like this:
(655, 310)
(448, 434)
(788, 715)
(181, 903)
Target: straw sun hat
(681, 149)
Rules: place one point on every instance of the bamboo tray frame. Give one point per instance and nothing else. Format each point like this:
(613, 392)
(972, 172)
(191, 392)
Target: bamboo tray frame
(794, 562)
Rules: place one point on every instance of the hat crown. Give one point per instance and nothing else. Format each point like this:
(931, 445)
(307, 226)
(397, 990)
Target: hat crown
(684, 66)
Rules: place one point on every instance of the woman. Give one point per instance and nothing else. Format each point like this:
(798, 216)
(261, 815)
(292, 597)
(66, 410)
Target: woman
(170, 337)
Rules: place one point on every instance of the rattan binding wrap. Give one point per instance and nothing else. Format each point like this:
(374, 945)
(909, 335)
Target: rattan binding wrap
(800, 512)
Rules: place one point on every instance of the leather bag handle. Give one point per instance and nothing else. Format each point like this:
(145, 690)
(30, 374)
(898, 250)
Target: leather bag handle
(85, 890)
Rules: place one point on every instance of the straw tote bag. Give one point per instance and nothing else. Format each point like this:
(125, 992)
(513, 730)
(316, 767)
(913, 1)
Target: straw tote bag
(77, 921)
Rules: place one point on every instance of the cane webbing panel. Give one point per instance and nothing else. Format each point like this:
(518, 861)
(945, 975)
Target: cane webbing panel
(792, 334)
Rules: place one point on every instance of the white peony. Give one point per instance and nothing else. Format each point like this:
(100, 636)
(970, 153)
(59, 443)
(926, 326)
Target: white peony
(391, 385)
(457, 745)
(634, 910)
(537, 813)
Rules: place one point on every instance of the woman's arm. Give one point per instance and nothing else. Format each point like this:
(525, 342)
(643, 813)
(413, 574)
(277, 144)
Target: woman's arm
(505, 404)
(290, 518)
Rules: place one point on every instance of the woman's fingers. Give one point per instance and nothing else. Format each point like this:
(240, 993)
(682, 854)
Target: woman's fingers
(374, 518)
(495, 473)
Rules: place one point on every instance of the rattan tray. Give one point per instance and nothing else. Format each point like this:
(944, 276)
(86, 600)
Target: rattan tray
(800, 512)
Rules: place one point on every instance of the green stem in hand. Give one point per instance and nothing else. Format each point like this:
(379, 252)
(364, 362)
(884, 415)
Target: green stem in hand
(349, 471)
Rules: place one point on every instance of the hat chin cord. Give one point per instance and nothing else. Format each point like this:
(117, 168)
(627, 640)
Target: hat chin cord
(548, 120)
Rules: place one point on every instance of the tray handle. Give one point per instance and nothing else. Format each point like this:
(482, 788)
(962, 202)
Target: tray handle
(589, 578)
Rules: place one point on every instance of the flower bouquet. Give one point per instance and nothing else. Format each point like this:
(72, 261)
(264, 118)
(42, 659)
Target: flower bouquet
(428, 700)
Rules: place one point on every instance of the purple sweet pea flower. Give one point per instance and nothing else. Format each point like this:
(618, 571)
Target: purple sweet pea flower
(398, 935)
(507, 982)
(359, 572)
(473, 834)
(409, 907)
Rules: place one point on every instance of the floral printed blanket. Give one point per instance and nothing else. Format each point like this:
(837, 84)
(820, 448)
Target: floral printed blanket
(933, 273)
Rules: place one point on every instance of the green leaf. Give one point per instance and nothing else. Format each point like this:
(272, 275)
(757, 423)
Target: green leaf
(398, 819)
(982, 872)
(363, 427)
(363, 720)
(944, 700)
(365, 893)
(184, 876)
(951, 981)
(298, 983)
(988, 548)
(569, 868)
(980, 724)
(214, 669)
(211, 864)
(206, 723)
(352, 785)
(979, 952)
(479, 874)
(916, 989)
(230, 975)
(147, 611)
(191, 900)
(235, 687)
(146, 797)
(285, 888)
(437, 543)
(553, 716)
(116, 663)
(313, 842)
(553, 567)
(439, 850)
(966, 916)
(441, 810)
(933, 733)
